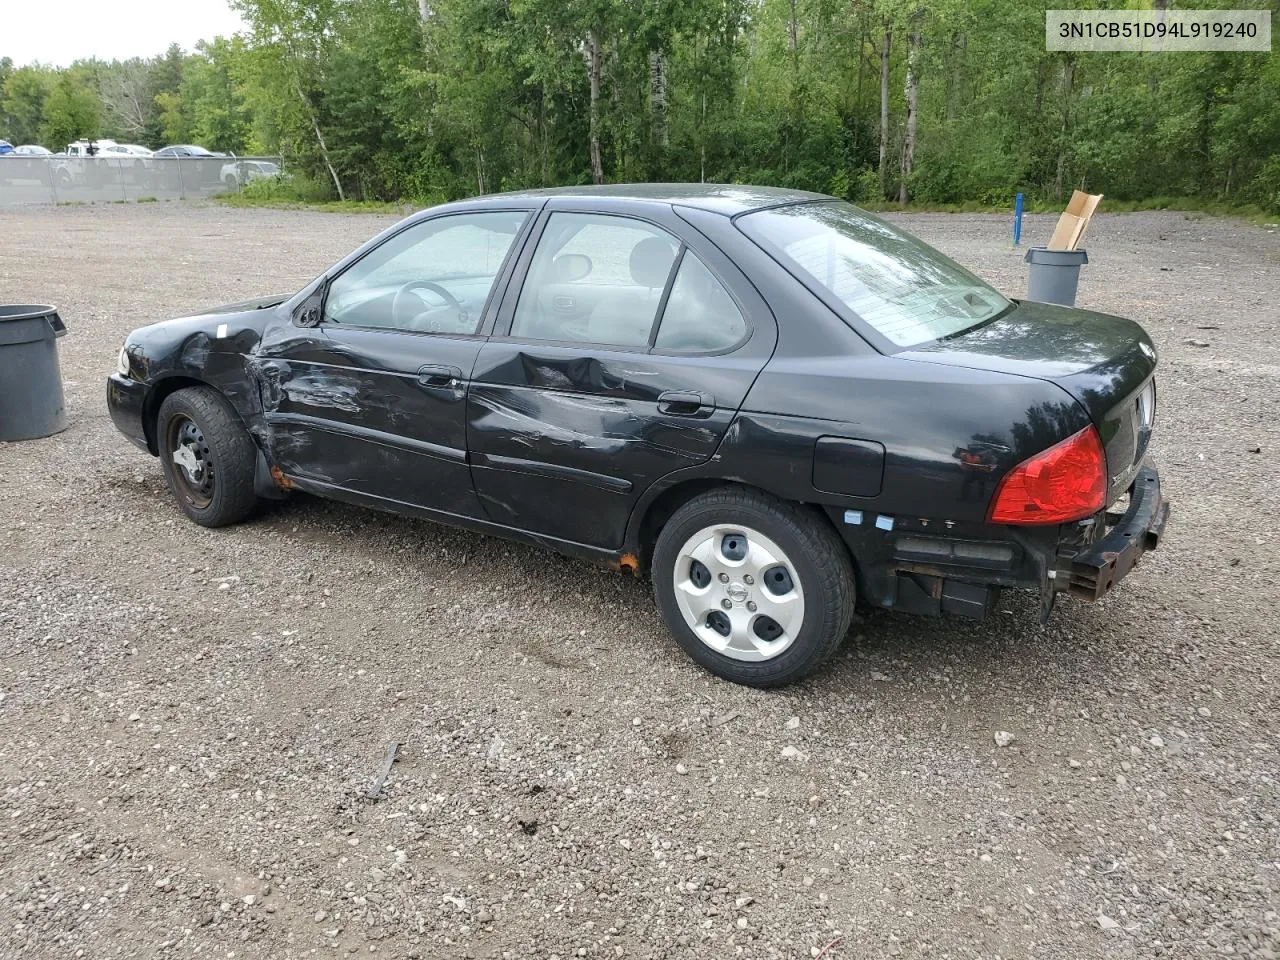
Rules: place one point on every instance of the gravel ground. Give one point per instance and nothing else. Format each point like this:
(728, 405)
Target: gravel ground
(189, 718)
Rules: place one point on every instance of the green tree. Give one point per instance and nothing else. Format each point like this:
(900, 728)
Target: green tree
(73, 109)
(22, 101)
(164, 116)
(213, 99)
(939, 101)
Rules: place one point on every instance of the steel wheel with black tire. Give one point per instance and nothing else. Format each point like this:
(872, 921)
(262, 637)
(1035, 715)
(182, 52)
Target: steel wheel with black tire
(207, 455)
(757, 590)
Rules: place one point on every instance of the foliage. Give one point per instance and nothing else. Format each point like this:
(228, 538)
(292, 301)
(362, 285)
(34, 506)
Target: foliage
(437, 99)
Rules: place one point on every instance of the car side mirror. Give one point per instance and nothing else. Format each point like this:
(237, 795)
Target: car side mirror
(309, 311)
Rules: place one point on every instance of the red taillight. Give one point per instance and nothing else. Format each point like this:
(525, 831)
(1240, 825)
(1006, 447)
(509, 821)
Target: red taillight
(1064, 483)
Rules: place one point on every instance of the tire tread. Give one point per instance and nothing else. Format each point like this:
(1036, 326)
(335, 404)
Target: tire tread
(235, 455)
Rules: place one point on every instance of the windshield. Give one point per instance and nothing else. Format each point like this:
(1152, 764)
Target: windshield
(905, 290)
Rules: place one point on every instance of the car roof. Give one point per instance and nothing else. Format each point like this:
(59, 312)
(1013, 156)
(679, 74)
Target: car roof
(725, 198)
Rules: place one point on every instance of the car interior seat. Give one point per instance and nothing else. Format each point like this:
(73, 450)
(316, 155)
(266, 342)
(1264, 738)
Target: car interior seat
(626, 316)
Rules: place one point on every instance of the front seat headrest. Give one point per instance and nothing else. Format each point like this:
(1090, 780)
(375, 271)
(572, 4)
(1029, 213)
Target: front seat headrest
(570, 267)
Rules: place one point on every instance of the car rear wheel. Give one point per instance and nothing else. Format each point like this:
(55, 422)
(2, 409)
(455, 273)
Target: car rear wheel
(757, 590)
(207, 455)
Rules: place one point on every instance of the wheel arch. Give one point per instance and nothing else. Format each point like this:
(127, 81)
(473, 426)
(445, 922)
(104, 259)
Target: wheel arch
(653, 513)
(161, 389)
(268, 481)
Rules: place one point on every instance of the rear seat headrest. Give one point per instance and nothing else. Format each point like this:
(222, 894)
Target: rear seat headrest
(651, 262)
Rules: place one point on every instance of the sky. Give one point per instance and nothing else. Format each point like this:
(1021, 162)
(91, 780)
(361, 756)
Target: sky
(57, 32)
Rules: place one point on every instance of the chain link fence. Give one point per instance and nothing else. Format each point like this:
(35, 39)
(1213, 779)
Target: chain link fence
(26, 180)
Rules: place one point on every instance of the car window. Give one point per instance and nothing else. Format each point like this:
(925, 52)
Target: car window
(904, 289)
(433, 277)
(700, 316)
(595, 279)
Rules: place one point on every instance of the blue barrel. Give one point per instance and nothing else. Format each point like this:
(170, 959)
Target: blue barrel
(31, 400)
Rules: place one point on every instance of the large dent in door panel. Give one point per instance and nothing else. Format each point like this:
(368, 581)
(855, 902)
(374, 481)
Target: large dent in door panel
(540, 421)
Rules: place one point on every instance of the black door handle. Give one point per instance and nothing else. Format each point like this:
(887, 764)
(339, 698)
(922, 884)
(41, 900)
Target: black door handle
(682, 403)
(439, 375)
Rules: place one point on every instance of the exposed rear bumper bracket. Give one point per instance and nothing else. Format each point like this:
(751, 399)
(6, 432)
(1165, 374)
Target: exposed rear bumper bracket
(1093, 573)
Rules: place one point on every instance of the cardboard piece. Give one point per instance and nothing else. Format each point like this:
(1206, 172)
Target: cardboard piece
(1074, 220)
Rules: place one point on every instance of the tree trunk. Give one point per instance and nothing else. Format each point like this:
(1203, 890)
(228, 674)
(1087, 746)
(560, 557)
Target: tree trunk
(324, 150)
(862, 61)
(594, 58)
(913, 100)
(424, 10)
(545, 145)
(1160, 7)
(702, 163)
(658, 132)
(1068, 84)
(620, 143)
(793, 41)
(955, 73)
(885, 49)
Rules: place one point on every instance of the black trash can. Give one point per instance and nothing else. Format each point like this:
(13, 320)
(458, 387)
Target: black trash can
(1054, 275)
(31, 400)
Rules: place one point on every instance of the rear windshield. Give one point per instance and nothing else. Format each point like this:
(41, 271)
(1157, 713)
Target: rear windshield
(905, 290)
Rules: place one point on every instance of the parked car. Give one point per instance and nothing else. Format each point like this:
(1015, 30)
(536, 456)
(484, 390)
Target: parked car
(184, 150)
(6, 148)
(125, 150)
(26, 162)
(239, 172)
(769, 400)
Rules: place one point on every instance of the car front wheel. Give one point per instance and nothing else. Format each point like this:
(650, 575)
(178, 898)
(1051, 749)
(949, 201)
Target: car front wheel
(207, 455)
(757, 590)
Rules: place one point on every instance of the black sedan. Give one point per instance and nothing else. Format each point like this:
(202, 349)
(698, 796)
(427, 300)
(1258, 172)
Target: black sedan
(771, 401)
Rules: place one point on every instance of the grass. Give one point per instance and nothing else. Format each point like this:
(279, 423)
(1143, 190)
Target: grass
(1194, 208)
(325, 206)
(299, 193)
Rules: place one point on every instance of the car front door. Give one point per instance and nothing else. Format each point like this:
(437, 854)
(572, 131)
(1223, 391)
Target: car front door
(364, 394)
(624, 345)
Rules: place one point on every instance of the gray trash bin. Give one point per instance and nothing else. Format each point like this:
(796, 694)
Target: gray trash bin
(1054, 275)
(31, 401)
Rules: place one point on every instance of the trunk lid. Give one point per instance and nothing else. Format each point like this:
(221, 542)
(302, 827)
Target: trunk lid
(1106, 363)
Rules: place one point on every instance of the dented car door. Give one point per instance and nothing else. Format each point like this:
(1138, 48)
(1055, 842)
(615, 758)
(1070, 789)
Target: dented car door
(624, 346)
(364, 394)
(372, 414)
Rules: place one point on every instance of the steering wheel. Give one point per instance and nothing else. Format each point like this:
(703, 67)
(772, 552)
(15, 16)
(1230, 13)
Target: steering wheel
(401, 303)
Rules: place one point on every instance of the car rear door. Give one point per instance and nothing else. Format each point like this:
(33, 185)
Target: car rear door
(623, 347)
(365, 394)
